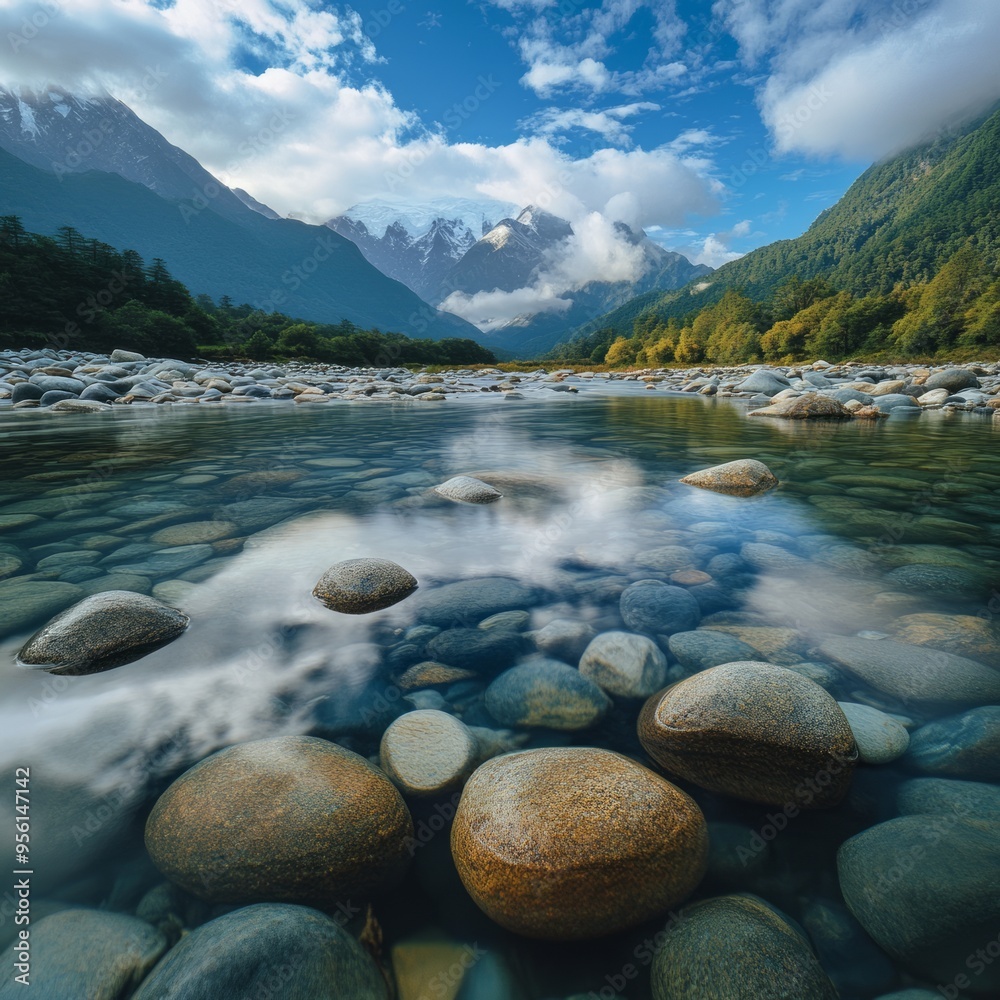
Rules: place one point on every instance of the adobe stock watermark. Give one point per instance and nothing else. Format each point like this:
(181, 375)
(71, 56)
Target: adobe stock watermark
(43, 15)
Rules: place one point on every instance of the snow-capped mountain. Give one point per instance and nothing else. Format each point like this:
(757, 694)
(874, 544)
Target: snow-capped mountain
(418, 244)
(91, 163)
(70, 134)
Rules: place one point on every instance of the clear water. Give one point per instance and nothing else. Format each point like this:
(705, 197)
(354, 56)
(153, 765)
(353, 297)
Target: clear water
(262, 658)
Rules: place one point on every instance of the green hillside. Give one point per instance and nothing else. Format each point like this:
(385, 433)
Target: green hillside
(273, 264)
(898, 225)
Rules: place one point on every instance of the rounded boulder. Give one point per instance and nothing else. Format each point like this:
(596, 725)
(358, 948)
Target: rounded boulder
(288, 819)
(754, 731)
(574, 843)
(360, 586)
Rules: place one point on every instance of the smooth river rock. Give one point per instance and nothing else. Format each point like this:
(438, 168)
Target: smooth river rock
(84, 953)
(625, 664)
(574, 843)
(918, 886)
(879, 737)
(754, 731)
(467, 489)
(946, 796)
(267, 950)
(809, 406)
(428, 752)
(743, 478)
(543, 692)
(736, 947)
(103, 631)
(360, 586)
(290, 819)
(915, 674)
(657, 608)
(959, 746)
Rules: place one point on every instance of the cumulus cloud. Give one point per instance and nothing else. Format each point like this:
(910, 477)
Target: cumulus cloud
(610, 122)
(340, 141)
(570, 51)
(864, 80)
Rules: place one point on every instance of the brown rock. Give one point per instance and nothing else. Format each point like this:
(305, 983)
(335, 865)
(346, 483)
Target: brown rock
(290, 819)
(964, 635)
(430, 674)
(743, 478)
(193, 533)
(754, 731)
(810, 406)
(573, 843)
(690, 577)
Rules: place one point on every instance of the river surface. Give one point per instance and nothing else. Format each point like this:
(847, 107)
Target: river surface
(591, 504)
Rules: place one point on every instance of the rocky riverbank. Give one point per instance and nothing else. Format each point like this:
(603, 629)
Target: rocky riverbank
(82, 383)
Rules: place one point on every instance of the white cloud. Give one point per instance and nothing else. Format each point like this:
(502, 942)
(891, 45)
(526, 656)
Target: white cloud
(337, 143)
(569, 50)
(610, 122)
(860, 80)
(493, 310)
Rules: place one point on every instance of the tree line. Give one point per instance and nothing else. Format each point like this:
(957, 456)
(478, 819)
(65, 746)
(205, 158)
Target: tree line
(70, 292)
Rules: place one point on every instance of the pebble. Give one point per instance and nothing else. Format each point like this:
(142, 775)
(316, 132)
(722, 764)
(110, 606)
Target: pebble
(543, 692)
(959, 746)
(563, 639)
(704, 648)
(265, 950)
(947, 796)
(657, 608)
(879, 737)
(613, 846)
(753, 731)
(428, 753)
(467, 602)
(360, 586)
(625, 664)
(84, 953)
(736, 946)
(286, 819)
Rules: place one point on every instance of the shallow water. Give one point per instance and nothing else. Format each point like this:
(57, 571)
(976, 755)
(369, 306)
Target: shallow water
(592, 495)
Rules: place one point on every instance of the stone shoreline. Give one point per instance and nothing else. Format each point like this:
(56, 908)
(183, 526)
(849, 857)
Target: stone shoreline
(83, 383)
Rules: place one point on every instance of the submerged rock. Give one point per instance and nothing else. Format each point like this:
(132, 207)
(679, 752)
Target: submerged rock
(753, 731)
(879, 737)
(915, 674)
(428, 753)
(625, 664)
(360, 586)
(613, 844)
(103, 631)
(743, 478)
(734, 947)
(292, 818)
(543, 692)
(960, 746)
(916, 885)
(84, 953)
(267, 950)
(654, 607)
(467, 602)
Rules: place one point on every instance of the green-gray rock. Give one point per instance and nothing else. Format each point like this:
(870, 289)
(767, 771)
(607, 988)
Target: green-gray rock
(101, 632)
(915, 674)
(736, 947)
(547, 693)
(625, 664)
(84, 953)
(921, 886)
(267, 950)
(879, 737)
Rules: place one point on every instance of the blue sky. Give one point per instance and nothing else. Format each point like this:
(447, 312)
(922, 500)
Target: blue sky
(717, 126)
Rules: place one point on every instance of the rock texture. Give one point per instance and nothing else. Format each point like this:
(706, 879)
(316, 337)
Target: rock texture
(101, 632)
(737, 947)
(743, 478)
(575, 843)
(428, 752)
(292, 818)
(753, 731)
(360, 586)
(466, 489)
